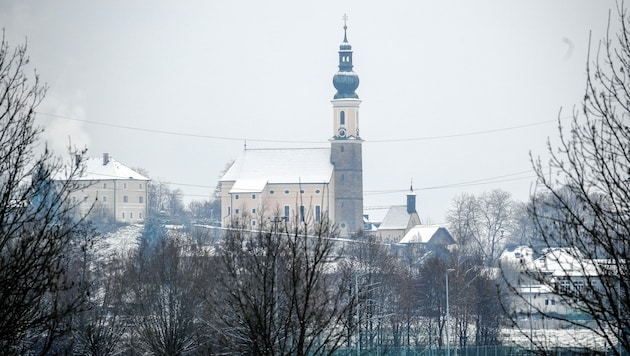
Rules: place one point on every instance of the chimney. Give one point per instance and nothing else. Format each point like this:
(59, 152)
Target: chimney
(411, 201)
(105, 158)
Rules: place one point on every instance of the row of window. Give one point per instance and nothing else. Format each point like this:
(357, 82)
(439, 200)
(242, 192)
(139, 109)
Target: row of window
(126, 199)
(124, 185)
(287, 213)
(103, 199)
(272, 192)
(123, 215)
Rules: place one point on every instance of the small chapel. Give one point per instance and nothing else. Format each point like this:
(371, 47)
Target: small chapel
(305, 184)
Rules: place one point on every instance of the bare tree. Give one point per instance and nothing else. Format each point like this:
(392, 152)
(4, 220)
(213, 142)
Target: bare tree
(37, 232)
(167, 286)
(483, 224)
(280, 286)
(582, 203)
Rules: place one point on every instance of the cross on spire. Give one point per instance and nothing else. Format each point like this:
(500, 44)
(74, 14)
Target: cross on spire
(345, 19)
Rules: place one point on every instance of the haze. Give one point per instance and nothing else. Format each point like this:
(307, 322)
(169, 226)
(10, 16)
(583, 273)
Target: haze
(455, 94)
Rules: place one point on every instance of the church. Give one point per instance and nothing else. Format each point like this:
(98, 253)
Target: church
(302, 184)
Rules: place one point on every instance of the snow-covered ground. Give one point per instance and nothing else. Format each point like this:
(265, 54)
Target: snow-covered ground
(552, 338)
(117, 243)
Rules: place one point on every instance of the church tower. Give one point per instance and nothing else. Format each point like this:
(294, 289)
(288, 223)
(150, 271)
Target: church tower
(346, 145)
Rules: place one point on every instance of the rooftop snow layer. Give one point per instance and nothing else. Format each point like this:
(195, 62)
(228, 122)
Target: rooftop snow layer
(257, 168)
(96, 170)
(396, 218)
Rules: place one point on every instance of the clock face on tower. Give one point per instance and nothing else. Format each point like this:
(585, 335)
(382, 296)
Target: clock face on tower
(341, 132)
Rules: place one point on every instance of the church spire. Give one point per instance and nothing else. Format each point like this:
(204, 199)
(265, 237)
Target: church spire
(346, 81)
(345, 28)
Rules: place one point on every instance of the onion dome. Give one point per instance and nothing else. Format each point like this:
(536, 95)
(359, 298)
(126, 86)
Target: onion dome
(346, 81)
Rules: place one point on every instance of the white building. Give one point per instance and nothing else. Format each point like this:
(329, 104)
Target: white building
(305, 184)
(109, 189)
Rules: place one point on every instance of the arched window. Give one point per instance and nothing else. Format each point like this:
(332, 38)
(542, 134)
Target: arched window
(342, 118)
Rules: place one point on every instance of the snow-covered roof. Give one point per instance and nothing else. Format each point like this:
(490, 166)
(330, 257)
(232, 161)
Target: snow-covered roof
(256, 168)
(567, 261)
(423, 234)
(396, 218)
(96, 170)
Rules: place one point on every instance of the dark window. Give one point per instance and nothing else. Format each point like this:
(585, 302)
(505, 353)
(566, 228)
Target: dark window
(125, 199)
(287, 213)
(302, 210)
(342, 118)
(318, 213)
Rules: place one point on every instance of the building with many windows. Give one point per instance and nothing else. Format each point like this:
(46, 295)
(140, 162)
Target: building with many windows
(305, 184)
(111, 190)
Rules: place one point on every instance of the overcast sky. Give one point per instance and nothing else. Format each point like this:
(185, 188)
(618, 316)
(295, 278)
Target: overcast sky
(455, 94)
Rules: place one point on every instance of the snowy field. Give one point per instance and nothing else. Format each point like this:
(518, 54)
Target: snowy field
(117, 243)
(556, 338)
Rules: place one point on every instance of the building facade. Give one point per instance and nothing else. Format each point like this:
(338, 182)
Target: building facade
(305, 185)
(110, 190)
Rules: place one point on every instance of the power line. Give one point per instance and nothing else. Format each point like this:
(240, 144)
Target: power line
(228, 138)
(174, 133)
(490, 180)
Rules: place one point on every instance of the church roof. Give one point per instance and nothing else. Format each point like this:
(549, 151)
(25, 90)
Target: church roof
(256, 168)
(396, 218)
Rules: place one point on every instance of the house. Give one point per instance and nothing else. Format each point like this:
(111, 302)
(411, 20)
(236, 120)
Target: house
(399, 219)
(564, 269)
(429, 236)
(305, 184)
(110, 190)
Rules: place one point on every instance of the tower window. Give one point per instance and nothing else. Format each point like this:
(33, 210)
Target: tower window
(302, 213)
(342, 118)
(318, 213)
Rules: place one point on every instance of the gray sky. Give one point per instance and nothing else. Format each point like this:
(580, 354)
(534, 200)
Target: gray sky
(433, 73)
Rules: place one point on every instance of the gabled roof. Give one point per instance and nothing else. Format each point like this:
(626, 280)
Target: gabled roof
(424, 234)
(256, 168)
(96, 170)
(396, 218)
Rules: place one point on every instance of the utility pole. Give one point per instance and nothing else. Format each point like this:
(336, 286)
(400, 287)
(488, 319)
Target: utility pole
(448, 337)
